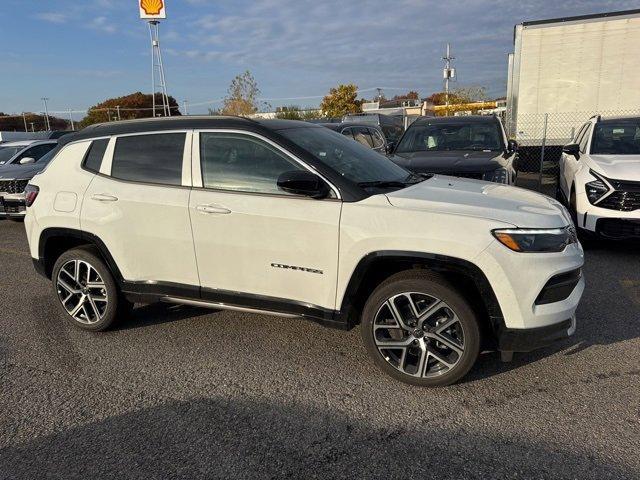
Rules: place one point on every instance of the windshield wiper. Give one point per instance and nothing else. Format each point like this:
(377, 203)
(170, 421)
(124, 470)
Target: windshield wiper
(411, 179)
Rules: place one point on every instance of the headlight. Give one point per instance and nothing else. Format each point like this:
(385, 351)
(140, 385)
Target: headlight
(597, 188)
(499, 175)
(536, 240)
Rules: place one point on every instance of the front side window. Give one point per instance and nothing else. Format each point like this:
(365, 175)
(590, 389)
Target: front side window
(616, 138)
(36, 152)
(236, 162)
(361, 135)
(350, 159)
(154, 158)
(7, 153)
(441, 136)
(585, 139)
(378, 141)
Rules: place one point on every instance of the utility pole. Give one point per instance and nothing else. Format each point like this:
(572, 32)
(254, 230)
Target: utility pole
(184, 103)
(379, 94)
(118, 110)
(32, 127)
(46, 113)
(73, 127)
(24, 119)
(448, 73)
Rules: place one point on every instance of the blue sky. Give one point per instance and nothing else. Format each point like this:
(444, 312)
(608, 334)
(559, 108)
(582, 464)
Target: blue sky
(79, 52)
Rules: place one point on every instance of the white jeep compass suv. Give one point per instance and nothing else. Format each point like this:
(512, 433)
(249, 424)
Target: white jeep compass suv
(293, 219)
(600, 177)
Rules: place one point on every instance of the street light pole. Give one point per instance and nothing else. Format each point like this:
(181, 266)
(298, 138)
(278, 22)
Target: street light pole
(24, 119)
(46, 113)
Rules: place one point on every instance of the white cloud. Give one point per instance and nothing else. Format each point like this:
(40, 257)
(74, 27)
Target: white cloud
(53, 17)
(102, 24)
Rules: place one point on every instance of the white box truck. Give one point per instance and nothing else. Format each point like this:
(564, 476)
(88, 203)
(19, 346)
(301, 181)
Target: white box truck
(569, 69)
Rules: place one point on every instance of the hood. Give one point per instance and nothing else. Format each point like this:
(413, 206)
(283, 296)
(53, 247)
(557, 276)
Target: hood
(459, 196)
(618, 167)
(20, 172)
(450, 161)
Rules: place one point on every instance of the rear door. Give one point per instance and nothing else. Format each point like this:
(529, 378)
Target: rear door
(138, 206)
(254, 242)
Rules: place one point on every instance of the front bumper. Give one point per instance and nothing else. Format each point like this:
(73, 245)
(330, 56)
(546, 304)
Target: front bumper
(13, 204)
(612, 224)
(528, 339)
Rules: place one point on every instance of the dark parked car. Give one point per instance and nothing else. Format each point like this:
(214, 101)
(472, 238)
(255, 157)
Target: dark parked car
(392, 127)
(468, 146)
(368, 135)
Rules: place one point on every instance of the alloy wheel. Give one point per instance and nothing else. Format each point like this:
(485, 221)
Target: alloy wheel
(82, 291)
(419, 334)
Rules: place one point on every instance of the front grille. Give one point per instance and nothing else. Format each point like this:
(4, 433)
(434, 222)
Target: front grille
(625, 198)
(618, 228)
(13, 186)
(473, 175)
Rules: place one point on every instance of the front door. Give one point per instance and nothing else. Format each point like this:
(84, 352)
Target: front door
(254, 242)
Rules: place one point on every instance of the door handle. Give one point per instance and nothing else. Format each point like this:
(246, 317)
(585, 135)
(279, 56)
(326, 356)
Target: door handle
(102, 197)
(212, 209)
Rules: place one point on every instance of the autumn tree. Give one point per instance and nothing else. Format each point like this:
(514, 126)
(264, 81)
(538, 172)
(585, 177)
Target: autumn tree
(15, 123)
(459, 95)
(341, 101)
(242, 96)
(411, 95)
(135, 105)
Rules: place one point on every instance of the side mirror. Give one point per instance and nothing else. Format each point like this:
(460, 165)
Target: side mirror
(302, 182)
(572, 149)
(512, 146)
(27, 161)
(391, 147)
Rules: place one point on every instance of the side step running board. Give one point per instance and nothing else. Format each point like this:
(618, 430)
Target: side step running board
(223, 306)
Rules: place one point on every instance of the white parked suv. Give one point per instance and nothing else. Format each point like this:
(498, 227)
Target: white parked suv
(292, 219)
(600, 177)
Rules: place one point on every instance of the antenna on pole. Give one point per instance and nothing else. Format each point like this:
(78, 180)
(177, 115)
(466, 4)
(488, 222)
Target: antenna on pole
(153, 11)
(448, 73)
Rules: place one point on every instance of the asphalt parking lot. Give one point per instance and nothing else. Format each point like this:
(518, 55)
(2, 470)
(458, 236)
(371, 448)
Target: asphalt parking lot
(181, 392)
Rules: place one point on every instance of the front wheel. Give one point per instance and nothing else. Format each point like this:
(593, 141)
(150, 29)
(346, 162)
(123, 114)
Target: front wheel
(86, 290)
(420, 330)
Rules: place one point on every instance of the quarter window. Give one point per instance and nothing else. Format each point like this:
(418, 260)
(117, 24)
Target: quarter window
(93, 160)
(231, 161)
(155, 158)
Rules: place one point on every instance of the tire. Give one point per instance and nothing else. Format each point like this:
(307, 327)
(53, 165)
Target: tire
(88, 297)
(425, 361)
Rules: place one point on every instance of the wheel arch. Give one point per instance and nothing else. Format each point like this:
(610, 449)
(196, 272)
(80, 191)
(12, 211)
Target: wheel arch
(55, 241)
(375, 267)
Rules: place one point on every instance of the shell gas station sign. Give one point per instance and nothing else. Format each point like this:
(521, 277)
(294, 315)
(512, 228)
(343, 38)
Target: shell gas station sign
(152, 9)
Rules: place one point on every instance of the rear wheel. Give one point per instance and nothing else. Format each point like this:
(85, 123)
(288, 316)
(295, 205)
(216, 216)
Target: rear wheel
(86, 290)
(420, 330)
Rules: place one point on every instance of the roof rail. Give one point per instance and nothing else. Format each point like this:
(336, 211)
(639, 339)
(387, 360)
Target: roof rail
(597, 117)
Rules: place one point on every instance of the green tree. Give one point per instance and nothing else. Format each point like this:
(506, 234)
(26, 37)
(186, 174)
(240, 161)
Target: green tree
(411, 95)
(134, 105)
(294, 112)
(242, 96)
(341, 101)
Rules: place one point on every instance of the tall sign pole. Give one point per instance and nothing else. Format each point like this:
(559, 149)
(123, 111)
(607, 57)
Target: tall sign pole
(448, 73)
(153, 11)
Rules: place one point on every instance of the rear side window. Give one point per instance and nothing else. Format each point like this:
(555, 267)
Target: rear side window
(361, 134)
(378, 141)
(155, 158)
(93, 159)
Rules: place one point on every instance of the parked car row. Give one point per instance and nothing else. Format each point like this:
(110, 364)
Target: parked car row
(19, 162)
(293, 219)
(600, 177)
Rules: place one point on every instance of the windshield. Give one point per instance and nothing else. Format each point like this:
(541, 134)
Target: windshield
(621, 138)
(7, 153)
(440, 136)
(349, 158)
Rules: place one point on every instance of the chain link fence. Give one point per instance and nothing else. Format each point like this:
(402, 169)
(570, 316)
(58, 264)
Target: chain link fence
(541, 137)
